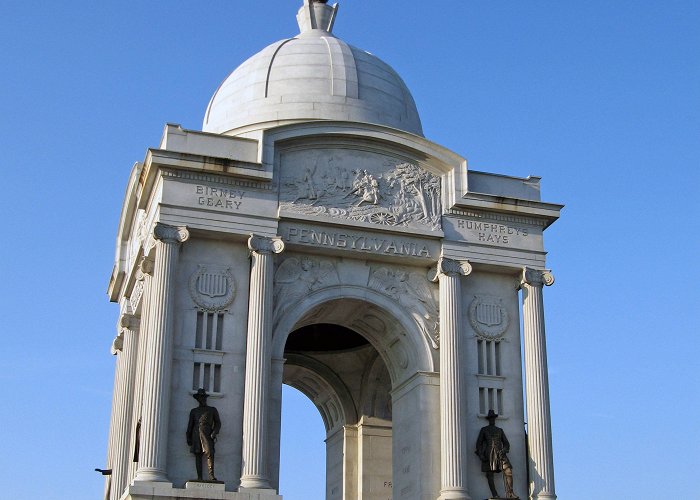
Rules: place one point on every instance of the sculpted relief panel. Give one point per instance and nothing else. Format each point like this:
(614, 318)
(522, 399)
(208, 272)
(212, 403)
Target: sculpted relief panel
(413, 291)
(360, 186)
(296, 277)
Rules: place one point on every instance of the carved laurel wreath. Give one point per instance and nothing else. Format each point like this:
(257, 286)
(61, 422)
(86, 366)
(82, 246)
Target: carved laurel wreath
(486, 330)
(212, 298)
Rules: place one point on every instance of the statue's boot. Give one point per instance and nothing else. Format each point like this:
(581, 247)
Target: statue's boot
(210, 463)
(492, 485)
(198, 465)
(508, 482)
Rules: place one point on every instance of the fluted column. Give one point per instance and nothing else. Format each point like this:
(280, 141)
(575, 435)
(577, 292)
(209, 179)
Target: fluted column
(537, 385)
(257, 370)
(145, 275)
(453, 404)
(156, 390)
(128, 326)
(115, 416)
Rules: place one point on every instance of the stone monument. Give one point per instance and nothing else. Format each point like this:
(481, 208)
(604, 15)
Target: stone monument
(311, 235)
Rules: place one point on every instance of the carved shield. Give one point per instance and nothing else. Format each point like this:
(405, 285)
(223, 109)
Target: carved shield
(213, 284)
(212, 289)
(488, 317)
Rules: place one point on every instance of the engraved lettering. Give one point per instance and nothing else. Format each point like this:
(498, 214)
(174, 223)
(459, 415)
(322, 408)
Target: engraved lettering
(221, 198)
(358, 242)
(486, 232)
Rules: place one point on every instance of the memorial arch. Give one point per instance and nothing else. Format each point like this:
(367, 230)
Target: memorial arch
(311, 235)
(353, 378)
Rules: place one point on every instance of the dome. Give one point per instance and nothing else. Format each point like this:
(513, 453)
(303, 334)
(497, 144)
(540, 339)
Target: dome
(313, 76)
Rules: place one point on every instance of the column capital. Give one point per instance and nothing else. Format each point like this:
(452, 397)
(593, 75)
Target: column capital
(145, 268)
(450, 267)
(536, 277)
(117, 344)
(128, 322)
(265, 245)
(170, 234)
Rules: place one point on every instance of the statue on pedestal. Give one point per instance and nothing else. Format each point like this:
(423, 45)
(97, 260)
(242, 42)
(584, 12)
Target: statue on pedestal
(202, 428)
(492, 447)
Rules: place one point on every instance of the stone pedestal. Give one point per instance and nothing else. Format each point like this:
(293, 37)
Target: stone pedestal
(205, 485)
(144, 490)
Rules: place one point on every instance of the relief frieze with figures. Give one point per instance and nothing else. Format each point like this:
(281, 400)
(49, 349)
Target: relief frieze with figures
(367, 188)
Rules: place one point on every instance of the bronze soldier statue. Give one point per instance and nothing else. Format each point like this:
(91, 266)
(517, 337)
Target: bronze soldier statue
(202, 428)
(492, 447)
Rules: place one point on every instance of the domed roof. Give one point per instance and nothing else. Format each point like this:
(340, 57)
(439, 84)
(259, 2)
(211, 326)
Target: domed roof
(313, 76)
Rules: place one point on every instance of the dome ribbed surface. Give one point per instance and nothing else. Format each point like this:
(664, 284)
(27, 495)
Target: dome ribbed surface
(314, 76)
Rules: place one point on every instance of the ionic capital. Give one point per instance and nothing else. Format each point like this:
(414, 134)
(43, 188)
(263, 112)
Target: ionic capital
(264, 245)
(117, 344)
(450, 267)
(145, 268)
(536, 277)
(170, 234)
(128, 322)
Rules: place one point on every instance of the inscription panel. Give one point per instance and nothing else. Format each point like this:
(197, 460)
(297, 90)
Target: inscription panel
(344, 239)
(494, 230)
(220, 194)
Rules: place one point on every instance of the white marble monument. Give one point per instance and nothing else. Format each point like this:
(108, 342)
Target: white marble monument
(311, 236)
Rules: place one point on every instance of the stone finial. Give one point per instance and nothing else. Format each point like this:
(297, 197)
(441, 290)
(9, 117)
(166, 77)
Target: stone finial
(316, 15)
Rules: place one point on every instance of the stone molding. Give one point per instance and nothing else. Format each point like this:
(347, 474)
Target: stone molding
(515, 219)
(265, 245)
(216, 179)
(170, 234)
(537, 277)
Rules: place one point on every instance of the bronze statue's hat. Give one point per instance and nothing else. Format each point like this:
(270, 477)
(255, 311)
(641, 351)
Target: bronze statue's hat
(492, 414)
(201, 393)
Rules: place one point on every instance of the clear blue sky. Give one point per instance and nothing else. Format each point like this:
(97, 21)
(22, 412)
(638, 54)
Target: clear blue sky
(600, 98)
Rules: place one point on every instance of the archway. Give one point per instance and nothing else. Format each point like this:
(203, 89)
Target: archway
(302, 448)
(342, 373)
(369, 369)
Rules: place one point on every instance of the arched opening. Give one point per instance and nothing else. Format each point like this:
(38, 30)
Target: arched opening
(368, 367)
(344, 376)
(302, 448)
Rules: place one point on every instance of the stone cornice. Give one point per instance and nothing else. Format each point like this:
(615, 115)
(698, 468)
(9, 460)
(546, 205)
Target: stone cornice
(499, 217)
(471, 202)
(216, 178)
(160, 158)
